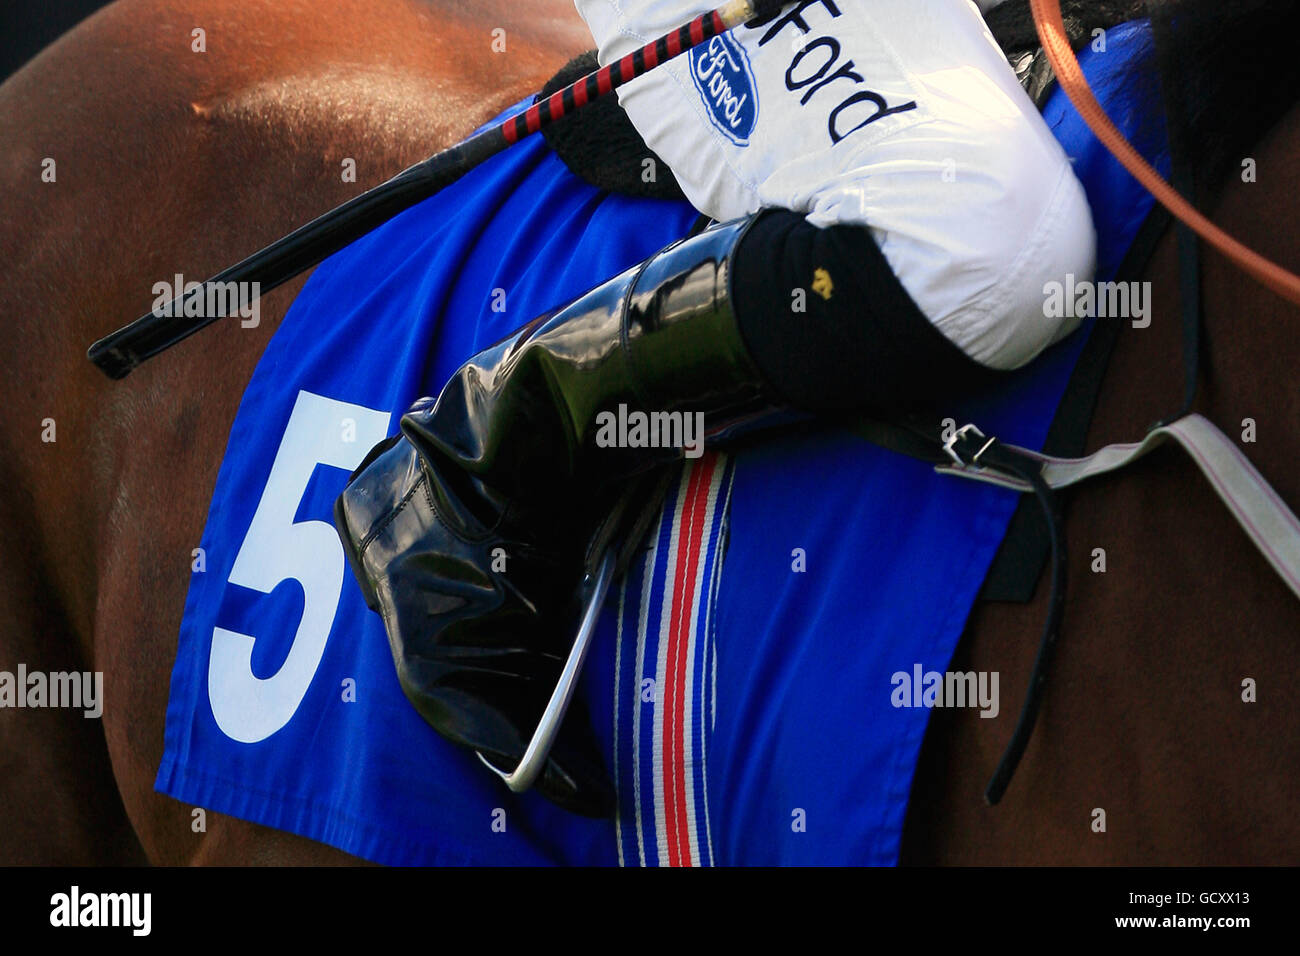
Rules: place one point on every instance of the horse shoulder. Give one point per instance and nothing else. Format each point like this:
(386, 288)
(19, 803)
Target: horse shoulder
(149, 142)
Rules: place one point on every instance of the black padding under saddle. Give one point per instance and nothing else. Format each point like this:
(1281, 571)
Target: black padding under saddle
(600, 145)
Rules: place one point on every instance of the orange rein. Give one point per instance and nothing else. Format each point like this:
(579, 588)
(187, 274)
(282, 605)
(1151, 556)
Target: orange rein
(1051, 33)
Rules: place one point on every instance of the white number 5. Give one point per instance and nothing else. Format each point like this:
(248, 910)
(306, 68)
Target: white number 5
(249, 708)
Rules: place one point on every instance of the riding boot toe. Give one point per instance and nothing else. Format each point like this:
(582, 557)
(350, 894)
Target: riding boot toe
(476, 615)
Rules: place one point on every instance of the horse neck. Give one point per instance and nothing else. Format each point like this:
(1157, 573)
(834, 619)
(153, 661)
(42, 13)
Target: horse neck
(1251, 337)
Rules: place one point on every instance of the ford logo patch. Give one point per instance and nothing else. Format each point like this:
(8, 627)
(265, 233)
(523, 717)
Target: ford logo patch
(722, 74)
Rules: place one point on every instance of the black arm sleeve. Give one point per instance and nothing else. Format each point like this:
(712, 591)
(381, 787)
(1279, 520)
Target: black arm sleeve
(860, 340)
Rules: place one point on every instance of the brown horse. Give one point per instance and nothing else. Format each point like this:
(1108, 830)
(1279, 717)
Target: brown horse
(171, 160)
(1145, 717)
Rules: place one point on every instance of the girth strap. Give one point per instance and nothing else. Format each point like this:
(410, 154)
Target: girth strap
(1271, 526)
(968, 447)
(968, 453)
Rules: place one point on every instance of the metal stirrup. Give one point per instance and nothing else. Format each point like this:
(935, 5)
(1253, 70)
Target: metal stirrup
(533, 761)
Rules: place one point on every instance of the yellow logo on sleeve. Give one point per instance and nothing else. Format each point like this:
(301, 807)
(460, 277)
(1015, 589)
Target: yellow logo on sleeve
(822, 283)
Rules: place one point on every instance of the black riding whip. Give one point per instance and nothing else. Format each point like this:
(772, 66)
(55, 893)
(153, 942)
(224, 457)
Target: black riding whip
(117, 354)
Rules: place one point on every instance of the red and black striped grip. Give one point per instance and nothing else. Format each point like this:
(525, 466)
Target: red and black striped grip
(596, 84)
(121, 351)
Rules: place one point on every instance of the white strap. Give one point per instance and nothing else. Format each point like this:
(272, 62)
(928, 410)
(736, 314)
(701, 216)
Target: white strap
(1265, 518)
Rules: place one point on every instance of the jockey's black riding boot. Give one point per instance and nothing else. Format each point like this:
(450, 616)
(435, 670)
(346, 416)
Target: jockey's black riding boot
(470, 531)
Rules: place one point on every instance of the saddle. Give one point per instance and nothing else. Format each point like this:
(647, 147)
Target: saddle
(1012, 25)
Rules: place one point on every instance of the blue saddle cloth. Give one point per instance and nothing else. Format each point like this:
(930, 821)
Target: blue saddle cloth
(742, 678)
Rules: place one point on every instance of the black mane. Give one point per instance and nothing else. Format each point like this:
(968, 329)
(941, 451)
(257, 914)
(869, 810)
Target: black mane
(1234, 63)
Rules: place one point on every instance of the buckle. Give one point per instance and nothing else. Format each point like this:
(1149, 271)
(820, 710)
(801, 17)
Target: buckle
(950, 446)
